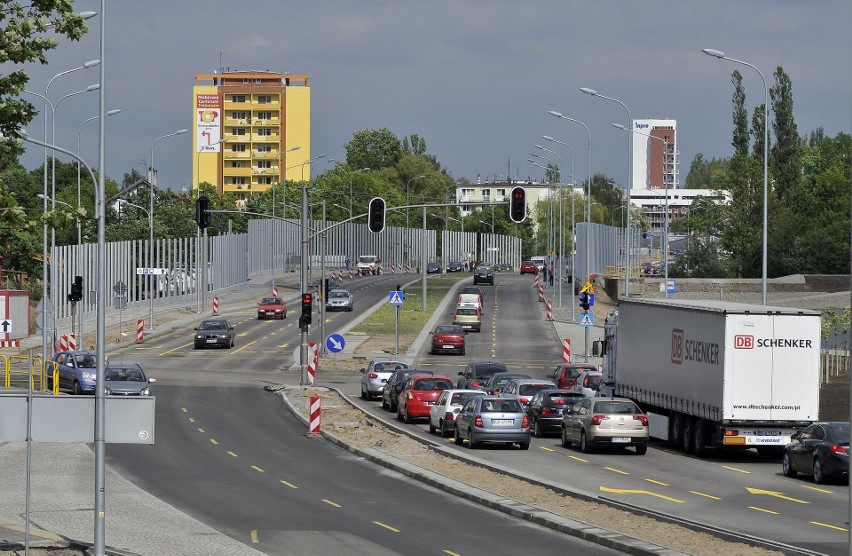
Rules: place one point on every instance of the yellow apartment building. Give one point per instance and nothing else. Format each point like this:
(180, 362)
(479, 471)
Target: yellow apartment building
(252, 129)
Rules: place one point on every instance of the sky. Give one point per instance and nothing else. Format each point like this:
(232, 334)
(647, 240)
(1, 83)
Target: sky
(474, 78)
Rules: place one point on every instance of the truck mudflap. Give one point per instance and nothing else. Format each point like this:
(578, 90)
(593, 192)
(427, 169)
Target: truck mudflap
(753, 437)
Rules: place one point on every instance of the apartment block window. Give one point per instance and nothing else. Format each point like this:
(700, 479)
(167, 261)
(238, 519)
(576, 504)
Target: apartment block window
(264, 164)
(501, 192)
(238, 164)
(238, 131)
(264, 148)
(238, 181)
(238, 98)
(264, 181)
(264, 115)
(467, 192)
(265, 131)
(486, 193)
(264, 99)
(238, 148)
(238, 115)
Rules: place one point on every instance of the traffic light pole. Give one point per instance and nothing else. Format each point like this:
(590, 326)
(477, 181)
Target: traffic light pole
(303, 282)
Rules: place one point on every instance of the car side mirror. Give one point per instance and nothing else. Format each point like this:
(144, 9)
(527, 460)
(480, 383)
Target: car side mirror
(362, 371)
(196, 329)
(152, 381)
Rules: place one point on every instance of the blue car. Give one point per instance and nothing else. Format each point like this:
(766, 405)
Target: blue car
(77, 371)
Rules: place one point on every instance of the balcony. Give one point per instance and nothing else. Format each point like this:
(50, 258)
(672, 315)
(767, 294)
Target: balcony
(234, 106)
(235, 172)
(258, 138)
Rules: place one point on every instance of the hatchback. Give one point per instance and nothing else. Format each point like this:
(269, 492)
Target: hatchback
(821, 450)
(529, 267)
(376, 374)
(588, 383)
(492, 419)
(127, 380)
(605, 422)
(442, 415)
(479, 370)
(271, 308)
(499, 380)
(394, 385)
(477, 290)
(566, 374)
(546, 408)
(433, 268)
(340, 300)
(525, 388)
(469, 318)
(77, 371)
(448, 338)
(418, 396)
(213, 333)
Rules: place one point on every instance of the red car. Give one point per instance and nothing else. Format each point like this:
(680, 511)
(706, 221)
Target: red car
(529, 267)
(566, 374)
(448, 338)
(271, 308)
(419, 395)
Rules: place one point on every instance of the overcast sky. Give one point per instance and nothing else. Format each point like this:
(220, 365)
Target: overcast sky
(475, 79)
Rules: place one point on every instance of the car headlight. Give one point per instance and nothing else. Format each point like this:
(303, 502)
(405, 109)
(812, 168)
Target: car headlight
(88, 376)
(107, 391)
(199, 337)
(145, 392)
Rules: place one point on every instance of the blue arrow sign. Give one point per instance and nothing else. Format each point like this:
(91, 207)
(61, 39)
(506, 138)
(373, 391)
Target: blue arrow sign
(395, 298)
(591, 299)
(335, 343)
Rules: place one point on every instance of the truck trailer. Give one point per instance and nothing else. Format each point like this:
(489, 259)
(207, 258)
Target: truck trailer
(715, 374)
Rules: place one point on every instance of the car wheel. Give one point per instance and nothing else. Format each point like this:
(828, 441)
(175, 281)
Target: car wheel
(525, 445)
(470, 442)
(584, 444)
(458, 439)
(363, 393)
(406, 417)
(285, 315)
(676, 428)
(641, 449)
(384, 404)
(77, 389)
(565, 442)
(688, 433)
(787, 466)
(444, 431)
(537, 430)
(819, 475)
(398, 413)
(432, 428)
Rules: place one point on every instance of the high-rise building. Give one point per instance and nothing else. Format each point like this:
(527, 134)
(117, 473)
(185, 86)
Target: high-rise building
(252, 130)
(655, 163)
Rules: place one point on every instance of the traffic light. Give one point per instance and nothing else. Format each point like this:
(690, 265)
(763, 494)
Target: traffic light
(376, 215)
(584, 301)
(307, 306)
(325, 288)
(76, 290)
(202, 214)
(518, 204)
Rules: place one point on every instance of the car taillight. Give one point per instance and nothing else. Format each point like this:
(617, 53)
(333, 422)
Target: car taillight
(546, 411)
(374, 375)
(839, 450)
(642, 419)
(525, 424)
(525, 401)
(477, 422)
(449, 416)
(596, 420)
(474, 384)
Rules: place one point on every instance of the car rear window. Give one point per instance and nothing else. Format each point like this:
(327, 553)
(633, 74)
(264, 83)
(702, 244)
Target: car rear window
(562, 398)
(840, 433)
(531, 389)
(464, 311)
(430, 384)
(619, 407)
(501, 406)
(389, 366)
(592, 381)
(448, 330)
(462, 397)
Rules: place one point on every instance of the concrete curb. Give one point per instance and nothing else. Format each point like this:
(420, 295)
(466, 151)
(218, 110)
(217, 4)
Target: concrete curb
(585, 531)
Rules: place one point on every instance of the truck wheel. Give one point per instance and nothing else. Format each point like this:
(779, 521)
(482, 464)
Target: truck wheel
(787, 466)
(699, 438)
(676, 430)
(688, 433)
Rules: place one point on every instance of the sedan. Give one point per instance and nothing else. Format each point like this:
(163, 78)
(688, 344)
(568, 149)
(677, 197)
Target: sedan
(127, 380)
(448, 338)
(340, 300)
(271, 308)
(821, 450)
(455, 266)
(214, 333)
(418, 396)
(605, 422)
(442, 415)
(546, 408)
(376, 374)
(492, 419)
(498, 381)
(529, 267)
(588, 383)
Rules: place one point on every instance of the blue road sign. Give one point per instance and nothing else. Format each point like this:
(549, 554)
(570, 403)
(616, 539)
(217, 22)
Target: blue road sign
(587, 319)
(395, 298)
(335, 343)
(591, 299)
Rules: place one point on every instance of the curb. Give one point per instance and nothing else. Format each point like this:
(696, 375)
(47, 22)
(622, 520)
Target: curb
(578, 529)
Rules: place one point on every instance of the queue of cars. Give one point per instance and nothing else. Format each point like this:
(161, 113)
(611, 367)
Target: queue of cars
(76, 372)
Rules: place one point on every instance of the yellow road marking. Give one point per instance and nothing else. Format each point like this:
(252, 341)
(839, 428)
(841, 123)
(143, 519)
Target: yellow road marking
(291, 485)
(192, 419)
(200, 429)
(450, 552)
(695, 492)
(258, 469)
(242, 348)
(579, 459)
(614, 470)
(763, 510)
(177, 348)
(635, 491)
(329, 502)
(213, 441)
(380, 524)
(776, 495)
(657, 482)
(184, 410)
(818, 489)
(241, 334)
(736, 469)
(284, 346)
(233, 454)
(548, 449)
(829, 526)
(254, 535)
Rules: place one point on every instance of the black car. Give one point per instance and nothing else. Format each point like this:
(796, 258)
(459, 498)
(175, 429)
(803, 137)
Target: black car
(821, 450)
(483, 275)
(498, 380)
(214, 333)
(455, 266)
(395, 384)
(433, 268)
(545, 410)
(480, 370)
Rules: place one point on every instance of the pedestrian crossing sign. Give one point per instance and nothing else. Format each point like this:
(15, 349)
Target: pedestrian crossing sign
(587, 319)
(395, 298)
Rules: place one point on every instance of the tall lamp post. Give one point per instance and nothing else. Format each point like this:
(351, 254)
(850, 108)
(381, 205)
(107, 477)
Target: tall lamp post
(153, 178)
(351, 174)
(561, 241)
(408, 202)
(272, 225)
(721, 56)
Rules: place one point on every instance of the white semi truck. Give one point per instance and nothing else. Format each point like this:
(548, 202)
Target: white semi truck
(710, 373)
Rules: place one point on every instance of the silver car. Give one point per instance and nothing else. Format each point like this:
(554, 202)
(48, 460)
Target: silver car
(127, 380)
(376, 374)
(493, 419)
(442, 415)
(340, 300)
(525, 388)
(605, 422)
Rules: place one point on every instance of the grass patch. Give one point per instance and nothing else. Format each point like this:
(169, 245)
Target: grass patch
(412, 318)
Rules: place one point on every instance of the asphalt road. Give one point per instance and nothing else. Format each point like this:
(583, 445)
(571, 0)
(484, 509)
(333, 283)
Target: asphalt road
(738, 491)
(230, 455)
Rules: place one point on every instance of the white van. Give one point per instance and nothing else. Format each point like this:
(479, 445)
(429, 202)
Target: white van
(368, 264)
(470, 300)
(539, 261)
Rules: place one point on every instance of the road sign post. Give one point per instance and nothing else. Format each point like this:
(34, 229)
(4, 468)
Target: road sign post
(395, 298)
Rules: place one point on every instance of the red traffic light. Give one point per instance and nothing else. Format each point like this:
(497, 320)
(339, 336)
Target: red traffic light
(518, 204)
(307, 298)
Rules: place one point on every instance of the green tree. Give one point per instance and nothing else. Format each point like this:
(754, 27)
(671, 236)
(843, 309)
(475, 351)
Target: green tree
(785, 156)
(704, 174)
(743, 234)
(373, 148)
(740, 136)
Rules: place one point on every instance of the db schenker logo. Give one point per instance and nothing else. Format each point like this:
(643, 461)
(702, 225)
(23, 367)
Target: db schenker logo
(743, 341)
(677, 346)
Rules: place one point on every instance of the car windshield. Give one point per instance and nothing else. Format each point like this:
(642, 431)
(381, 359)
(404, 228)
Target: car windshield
(271, 301)
(617, 407)
(574, 372)
(465, 311)
(462, 397)
(502, 380)
(430, 384)
(485, 371)
(501, 406)
(213, 325)
(338, 295)
(125, 374)
(87, 362)
(531, 389)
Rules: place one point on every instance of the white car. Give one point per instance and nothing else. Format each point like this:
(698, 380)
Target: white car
(588, 383)
(376, 374)
(442, 415)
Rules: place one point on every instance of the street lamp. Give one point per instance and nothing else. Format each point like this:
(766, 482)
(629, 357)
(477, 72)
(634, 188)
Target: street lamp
(365, 169)
(721, 56)
(629, 184)
(408, 202)
(153, 178)
(561, 241)
(272, 224)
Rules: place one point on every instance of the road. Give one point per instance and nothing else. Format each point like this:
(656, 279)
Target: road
(229, 454)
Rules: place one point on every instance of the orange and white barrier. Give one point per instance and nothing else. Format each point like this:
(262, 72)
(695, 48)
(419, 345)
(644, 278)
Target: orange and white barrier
(541, 292)
(566, 350)
(549, 309)
(360, 272)
(315, 415)
(215, 305)
(350, 273)
(535, 281)
(140, 331)
(313, 364)
(274, 291)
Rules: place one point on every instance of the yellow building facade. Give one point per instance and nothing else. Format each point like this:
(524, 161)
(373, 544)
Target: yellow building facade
(252, 130)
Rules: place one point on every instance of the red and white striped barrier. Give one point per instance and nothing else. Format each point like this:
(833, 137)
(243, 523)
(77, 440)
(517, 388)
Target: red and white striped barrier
(63, 343)
(274, 291)
(393, 268)
(313, 353)
(10, 344)
(350, 273)
(380, 269)
(215, 305)
(408, 268)
(315, 415)
(68, 342)
(535, 281)
(140, 331)
(549, 309)
(566, 350)
(540, 292)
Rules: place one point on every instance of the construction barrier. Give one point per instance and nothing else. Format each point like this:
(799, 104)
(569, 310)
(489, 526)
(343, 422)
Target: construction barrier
(315, 415)
(215, 306)
(313, 352)
(68, 342)
(350, 273)
(541, 292)
(408, 268)
(140, 331)
(535, 281)
(360, 272)
(566, 350)
(274, 291)
(549, 309)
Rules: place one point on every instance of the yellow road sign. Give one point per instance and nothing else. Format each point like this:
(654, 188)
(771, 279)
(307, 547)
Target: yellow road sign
(587, 287)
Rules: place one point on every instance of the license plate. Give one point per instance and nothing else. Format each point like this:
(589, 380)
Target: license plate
(211, 341)
(448, 346)
(502, 421)
(619, 440)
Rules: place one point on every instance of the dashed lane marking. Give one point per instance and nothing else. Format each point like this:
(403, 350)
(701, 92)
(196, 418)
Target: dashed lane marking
(258, 469)
(547, 449)
(450, 552)
(175, 349)
(657, 482)
(233, 454)
(213, 441)
(330, 503)
(818, 489)
(254, 536)
(200, 429)
(185, 410)
(242, 348)
(291, 485)
(695, 492)
(637, 491)
(614, 470)
(738, 470)
(388, 527)
(192, 419)
(829, 526)
(764, 510)
(579, 459)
